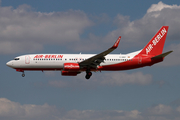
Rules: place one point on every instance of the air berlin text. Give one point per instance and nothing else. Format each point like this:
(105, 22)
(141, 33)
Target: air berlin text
(48, 56)
(156, 40)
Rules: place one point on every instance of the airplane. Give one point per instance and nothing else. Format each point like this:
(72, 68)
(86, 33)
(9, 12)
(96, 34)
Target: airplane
(74, 64)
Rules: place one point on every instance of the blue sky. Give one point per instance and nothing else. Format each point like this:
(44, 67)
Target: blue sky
(45, 26)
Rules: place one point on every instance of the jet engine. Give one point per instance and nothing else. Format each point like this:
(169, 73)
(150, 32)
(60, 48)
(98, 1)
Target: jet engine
(71, 67)
(68, 73)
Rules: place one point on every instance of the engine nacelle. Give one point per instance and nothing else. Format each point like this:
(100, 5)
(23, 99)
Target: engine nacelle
(71, 67)
(67, 73)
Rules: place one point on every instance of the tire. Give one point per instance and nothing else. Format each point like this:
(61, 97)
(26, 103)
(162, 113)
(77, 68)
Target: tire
(87, 76)
(23, 75)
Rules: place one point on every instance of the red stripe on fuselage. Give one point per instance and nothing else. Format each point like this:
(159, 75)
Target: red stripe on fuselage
(136, 62)
(37, 69)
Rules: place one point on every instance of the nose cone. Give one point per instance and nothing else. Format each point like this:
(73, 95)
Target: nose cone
(9, 64)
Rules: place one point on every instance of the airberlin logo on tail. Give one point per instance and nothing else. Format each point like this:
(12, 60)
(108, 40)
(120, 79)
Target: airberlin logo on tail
(156, 40)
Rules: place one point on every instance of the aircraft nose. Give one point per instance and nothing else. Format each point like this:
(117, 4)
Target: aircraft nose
(9, 64)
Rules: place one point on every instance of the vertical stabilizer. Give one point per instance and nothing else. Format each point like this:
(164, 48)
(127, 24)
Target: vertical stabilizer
(156, 44)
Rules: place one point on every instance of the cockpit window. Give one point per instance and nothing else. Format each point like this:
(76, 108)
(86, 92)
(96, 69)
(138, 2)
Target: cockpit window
(16, 58)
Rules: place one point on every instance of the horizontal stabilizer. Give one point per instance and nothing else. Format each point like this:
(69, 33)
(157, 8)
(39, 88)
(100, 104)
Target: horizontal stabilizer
(161, 55)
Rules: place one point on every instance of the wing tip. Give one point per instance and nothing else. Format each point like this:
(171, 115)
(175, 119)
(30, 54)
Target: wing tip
(116, 43)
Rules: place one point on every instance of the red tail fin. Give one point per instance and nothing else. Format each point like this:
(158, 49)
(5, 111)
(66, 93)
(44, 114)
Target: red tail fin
(156, 44)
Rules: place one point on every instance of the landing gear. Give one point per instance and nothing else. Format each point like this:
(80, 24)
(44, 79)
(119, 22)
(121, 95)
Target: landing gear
(88, 74)
(23, 75)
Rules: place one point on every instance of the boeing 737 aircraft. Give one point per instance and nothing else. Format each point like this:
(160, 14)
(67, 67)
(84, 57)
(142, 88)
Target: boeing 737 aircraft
(73, 64)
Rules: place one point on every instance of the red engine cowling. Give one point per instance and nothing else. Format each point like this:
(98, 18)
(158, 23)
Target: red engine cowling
(67, 73)
(71, 67)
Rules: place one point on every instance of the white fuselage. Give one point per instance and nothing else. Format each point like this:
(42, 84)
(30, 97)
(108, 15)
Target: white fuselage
(56, 61)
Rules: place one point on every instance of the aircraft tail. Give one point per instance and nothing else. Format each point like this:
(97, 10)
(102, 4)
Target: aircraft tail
(156, 44)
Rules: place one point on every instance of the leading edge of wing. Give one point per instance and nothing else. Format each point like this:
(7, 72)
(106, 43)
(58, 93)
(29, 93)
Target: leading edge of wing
(99, 57)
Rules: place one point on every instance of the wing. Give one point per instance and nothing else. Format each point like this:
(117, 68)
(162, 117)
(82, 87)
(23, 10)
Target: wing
(94, 61)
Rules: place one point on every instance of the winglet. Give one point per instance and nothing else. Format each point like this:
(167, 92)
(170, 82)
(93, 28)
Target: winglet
(116, 43)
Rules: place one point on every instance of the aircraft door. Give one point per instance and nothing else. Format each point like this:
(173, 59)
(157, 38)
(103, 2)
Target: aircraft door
(27, 59)
(139, 60)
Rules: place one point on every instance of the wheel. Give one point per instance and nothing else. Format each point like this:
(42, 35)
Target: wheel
(23, 75)
(88, 75)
